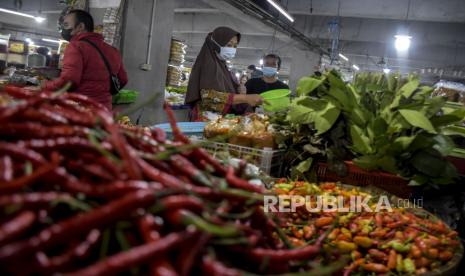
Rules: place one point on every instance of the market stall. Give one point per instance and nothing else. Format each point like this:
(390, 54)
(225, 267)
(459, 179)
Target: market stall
(83, 195)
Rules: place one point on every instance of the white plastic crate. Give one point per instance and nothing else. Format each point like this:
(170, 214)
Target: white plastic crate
(267, 159)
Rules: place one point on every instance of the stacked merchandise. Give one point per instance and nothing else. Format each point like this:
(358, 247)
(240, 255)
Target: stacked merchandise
(174, 76)
(17, 53)
(4, 41)
(112, 24)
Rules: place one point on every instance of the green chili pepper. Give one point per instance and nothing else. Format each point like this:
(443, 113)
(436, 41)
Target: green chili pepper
(227, 230)
(409, 265)
(284, 186)
(399, 247)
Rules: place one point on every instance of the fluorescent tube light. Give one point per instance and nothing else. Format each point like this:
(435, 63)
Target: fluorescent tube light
(344, 57)
(281, 10)
(356, 67)
(36, 18)
(51, 40)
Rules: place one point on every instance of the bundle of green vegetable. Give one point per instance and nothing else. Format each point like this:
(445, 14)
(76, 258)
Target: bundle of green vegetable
(180, 89)
(382, 122)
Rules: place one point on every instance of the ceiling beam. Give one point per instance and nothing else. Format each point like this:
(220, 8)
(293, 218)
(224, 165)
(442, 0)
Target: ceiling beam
(382, 30)
(418, 10)
(196, 10)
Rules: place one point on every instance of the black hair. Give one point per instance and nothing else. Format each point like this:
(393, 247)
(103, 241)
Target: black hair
(275, 57)
(252, 67)
(84, 18)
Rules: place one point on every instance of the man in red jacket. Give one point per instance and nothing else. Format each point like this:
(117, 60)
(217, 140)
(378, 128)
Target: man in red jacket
(82, 64)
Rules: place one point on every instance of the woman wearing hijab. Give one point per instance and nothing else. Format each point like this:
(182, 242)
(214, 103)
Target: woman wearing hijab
(212, 87)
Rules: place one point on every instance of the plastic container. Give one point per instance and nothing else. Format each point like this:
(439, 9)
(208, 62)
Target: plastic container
(276, 100)
(267, 159)
(360, 177)
(188, 128)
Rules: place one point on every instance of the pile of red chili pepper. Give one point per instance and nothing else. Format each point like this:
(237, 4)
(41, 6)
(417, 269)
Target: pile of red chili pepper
(404, 241)
(81, 195)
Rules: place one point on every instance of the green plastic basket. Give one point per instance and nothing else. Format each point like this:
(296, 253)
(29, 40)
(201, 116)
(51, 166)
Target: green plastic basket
(125, 97)
(276, 100)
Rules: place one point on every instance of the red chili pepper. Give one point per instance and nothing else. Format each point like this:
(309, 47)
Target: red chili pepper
(149, 229)
(156, 175)
(21, 152)
(17, 92)
(42, 115)
(135, 256)
(392, 259)
(60, 232)
(6, 168)
(60, 262)
(36, 130)
(95, 170)
(186, 258)
(377, 254)
(236, 182)
(213, 267)
(62, 143)
(9, 112)
(16, 227)
(158, 134)
(171, 203)
(24, 181)
(112, 190)
(202, 154)
(379, 220)
(32, 201)
(374, 267)
(183, 165)
(81, 99)
(72, 116)
(126, 152)
(283, 255)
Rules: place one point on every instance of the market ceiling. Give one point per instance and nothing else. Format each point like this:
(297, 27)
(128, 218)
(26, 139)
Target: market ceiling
(367, 29)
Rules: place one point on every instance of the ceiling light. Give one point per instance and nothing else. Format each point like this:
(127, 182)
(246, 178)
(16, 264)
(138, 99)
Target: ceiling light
(36, 18)
(28, 40)
(281, 10)
(344, 57)
(386, 70)
(39, 19)
(228, 61)
(237, 75)
(356, 67)
(261, 61)
(402, 42)
(50, 40)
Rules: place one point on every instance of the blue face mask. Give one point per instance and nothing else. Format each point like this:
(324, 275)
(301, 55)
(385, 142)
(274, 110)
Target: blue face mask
(269, 71)
(226, 53)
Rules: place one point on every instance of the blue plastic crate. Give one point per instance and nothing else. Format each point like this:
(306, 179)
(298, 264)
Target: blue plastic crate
(188, 128)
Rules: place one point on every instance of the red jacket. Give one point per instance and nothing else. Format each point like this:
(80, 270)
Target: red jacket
(83, 66)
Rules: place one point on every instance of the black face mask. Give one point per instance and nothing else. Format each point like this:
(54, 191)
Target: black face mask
(66, 34)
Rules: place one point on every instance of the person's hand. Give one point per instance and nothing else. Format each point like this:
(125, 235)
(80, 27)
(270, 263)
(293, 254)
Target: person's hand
(242, 89)
(254, 99)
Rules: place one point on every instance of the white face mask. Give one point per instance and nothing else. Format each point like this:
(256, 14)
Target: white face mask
(226, 53)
